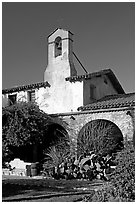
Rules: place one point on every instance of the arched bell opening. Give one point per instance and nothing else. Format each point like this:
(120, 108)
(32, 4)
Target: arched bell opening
(58, 46)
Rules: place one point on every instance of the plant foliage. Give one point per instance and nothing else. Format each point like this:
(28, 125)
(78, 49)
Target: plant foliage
(99, 136)
(122, 187)
(25, 124)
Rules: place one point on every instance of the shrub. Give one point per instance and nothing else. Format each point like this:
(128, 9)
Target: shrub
(24, 125)
(123, 177)
(55, 154)
(122, 187)
(100, 136)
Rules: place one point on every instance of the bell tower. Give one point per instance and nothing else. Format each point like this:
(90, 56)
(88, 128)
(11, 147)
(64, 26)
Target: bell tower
(62, 96)
(60, 56)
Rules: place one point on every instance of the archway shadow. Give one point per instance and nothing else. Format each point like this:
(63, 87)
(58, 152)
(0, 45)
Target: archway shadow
(99, 136)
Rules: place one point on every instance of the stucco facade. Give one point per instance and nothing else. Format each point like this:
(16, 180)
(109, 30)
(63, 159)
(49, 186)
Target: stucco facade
(21, 96)
(102, 87)
(63, 96)
(22, 93)
(66, 96)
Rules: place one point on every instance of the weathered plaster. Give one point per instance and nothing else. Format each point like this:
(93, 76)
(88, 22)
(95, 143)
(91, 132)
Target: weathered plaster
(63, 95)
(101, 88)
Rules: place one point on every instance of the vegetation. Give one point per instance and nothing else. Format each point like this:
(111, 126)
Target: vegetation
(124, 177)
(122, 187)
(25, 125)
(100, 136)
(55, 154)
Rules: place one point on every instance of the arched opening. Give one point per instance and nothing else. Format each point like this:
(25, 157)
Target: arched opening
(57, 147)
(58, 46)
(100, 136)
(56, 135)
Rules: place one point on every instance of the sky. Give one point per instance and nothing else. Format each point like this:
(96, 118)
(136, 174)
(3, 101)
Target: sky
(104, 37)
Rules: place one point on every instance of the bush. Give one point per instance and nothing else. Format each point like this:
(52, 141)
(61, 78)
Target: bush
(122, 187)
(100, 136)
(55, 154)
(24, 125)
(124, 176)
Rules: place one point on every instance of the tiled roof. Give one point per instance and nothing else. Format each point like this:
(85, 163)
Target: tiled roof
(26, 87)
(111, 101)
(107, 72)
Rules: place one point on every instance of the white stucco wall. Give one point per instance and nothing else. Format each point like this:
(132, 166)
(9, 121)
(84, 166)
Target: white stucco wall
(60, 94)
(21, 96)
(4, 100)
(101, 88)
(61, 66)
(77, 90)
(61, 99)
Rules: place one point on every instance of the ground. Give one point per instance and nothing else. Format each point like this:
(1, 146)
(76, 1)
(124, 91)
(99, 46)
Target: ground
(44, 190)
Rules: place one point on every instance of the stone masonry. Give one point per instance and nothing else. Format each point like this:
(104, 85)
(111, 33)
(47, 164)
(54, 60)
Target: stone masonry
(120, 117)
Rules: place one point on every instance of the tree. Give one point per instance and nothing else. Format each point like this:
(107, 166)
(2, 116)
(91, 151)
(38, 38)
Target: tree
(25, 124)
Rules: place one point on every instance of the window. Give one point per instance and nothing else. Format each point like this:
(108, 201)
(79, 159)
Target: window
(58, 46)
(12, 99)
(31, 96)
(92, 91)
(105, 81)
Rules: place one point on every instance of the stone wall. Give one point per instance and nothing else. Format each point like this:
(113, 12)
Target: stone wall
(120, 117)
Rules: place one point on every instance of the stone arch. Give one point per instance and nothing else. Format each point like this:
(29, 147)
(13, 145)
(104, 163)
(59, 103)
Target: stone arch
(56, 131)
(97, 134)
(119, 118)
